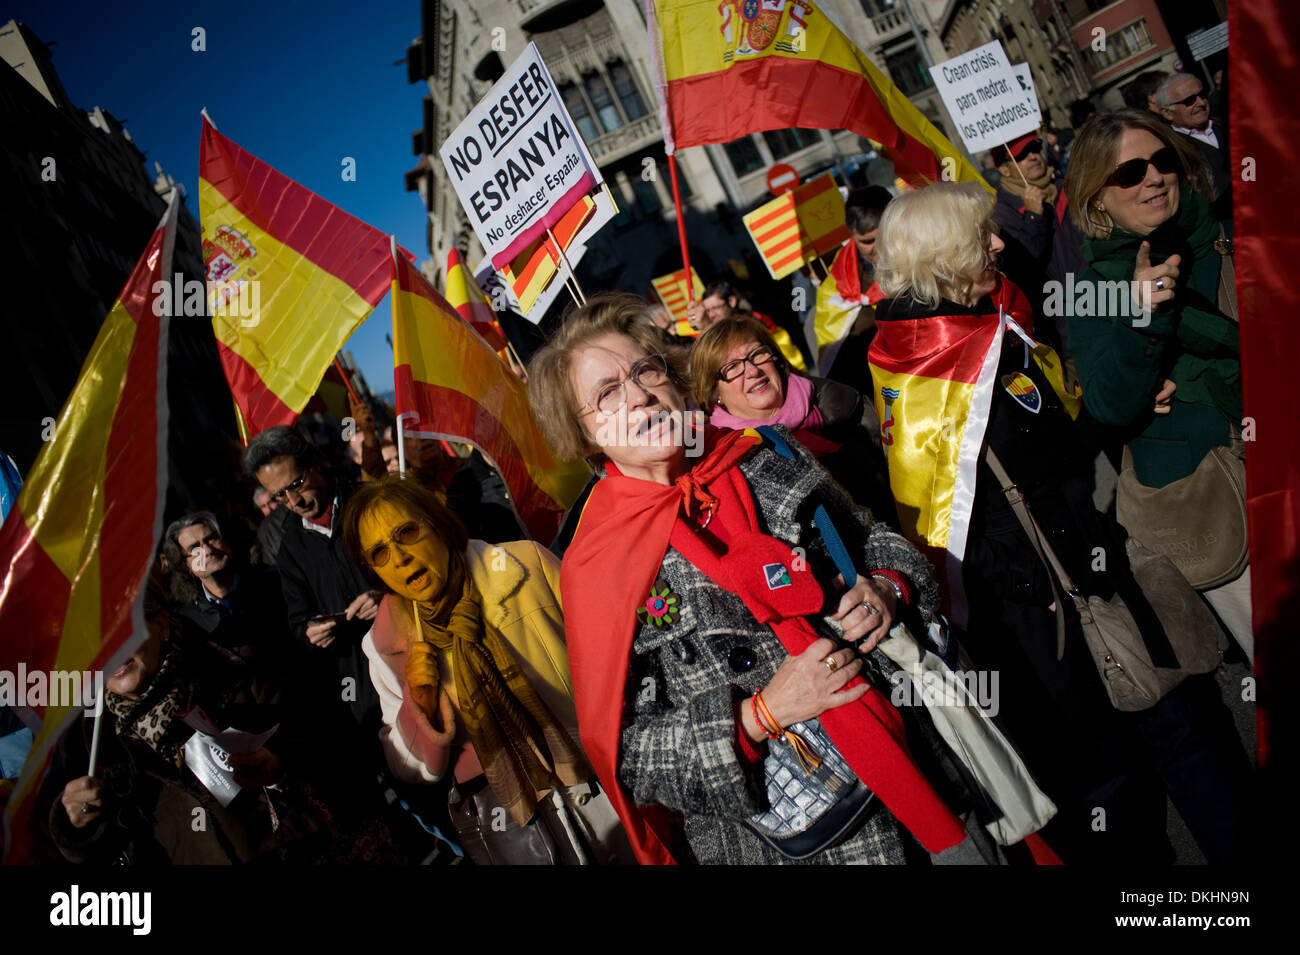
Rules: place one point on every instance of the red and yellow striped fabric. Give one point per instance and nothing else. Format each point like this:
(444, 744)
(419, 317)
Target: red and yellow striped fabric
(468, 299)
(532, 270)
(80, 539)
(934, 379)
(744, 66)
(451, 385)
(671, 289)
(290, 277)
(799, 226)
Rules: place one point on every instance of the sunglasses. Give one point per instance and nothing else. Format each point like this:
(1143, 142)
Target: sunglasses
(1131, 173)
(1199, 94)
(409, 533)
(294, 487)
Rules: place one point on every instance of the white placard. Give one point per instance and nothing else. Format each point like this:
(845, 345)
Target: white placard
(517, 161)
(1204, 43)
(987, 102)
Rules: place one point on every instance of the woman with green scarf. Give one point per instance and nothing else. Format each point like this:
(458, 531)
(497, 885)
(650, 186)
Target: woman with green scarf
(1152, 322)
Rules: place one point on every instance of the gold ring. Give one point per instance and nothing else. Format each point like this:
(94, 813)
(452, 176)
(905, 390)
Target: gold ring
(831, 664)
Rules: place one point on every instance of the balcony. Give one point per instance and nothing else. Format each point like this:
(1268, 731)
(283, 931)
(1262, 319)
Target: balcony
(626, 140)
(889, 25)
(541, 16)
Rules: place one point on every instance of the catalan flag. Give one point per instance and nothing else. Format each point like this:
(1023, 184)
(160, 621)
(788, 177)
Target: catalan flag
(79, 542)
(799, 226)
(744, 66)
(452, 385)
(290, 277)
(468, 299)
(671, 289)
(934, 379)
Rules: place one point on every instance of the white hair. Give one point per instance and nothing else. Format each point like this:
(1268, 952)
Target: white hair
(1162, 91)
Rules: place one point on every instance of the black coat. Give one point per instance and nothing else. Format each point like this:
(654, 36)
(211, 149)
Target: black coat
(319, 577)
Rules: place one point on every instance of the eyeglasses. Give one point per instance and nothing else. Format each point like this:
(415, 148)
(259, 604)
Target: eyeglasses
(734, 369)
(1199, 94)
(649, 372)
(405, 535)
(1131, 173)
(282, 495)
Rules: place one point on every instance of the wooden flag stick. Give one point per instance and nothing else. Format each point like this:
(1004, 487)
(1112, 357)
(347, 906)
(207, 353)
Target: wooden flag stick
(567, 267)
(1016, 163)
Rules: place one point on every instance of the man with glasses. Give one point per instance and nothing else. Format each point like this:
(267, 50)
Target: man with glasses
(1186, 108)
(330, 606)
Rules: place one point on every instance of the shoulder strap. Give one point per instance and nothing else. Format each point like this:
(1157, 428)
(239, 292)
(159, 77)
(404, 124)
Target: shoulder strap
(834, 543)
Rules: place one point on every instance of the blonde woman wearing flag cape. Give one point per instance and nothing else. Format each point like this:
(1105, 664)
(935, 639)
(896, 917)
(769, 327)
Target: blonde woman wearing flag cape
(955, 368)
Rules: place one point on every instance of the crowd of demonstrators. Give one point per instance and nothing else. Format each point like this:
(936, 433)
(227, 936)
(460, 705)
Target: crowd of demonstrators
(937, 261)
(701, 666)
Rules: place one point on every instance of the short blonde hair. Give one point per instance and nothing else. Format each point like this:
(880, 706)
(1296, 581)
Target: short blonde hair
(1092, 163)
(550, 390)
(710, 352)
(931, 243)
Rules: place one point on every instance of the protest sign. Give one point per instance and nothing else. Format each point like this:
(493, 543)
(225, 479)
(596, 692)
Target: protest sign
(988, 103)
(671, 290)
(516, 161)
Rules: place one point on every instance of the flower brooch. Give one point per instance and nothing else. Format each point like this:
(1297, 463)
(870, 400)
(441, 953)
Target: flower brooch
(660, 608)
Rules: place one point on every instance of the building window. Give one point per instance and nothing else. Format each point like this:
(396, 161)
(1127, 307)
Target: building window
(598, 92)
(744, 156)
(908, 71)
(626, 89)
(783, 142)
(1120, 45)
(577, 106)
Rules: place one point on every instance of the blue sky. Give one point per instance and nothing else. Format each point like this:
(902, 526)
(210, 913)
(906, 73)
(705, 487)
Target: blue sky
(299, 85)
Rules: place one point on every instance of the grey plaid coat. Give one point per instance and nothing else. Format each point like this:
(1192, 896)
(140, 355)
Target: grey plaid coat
(678, 744)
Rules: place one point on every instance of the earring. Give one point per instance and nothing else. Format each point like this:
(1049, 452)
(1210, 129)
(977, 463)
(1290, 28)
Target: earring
(1100, 207)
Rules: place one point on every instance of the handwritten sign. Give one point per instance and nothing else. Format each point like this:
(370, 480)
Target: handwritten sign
(987, 100)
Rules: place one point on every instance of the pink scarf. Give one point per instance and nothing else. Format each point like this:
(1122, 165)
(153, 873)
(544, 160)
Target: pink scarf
(798, 412)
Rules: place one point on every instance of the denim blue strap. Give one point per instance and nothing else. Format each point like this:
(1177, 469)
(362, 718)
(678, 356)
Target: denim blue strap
(834, 544)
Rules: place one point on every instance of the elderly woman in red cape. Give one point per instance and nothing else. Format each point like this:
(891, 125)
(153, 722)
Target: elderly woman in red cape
(717, 660)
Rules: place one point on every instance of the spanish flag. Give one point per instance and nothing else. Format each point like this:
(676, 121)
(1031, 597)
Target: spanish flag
(468, 299)
(671, 291)
(934, 378)
(744, 66)
(452, 385)
(80, 540)
(839, 298)
(290, 277)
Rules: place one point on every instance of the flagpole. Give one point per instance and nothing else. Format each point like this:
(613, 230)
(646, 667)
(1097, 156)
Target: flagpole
(568, 268)
(681, 227)
(1015, 163)
(401, 446)
(94, 736)
(352, 392)
(240, 425)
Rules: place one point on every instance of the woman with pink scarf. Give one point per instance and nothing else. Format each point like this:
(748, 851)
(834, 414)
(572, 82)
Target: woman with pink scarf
(740, 380)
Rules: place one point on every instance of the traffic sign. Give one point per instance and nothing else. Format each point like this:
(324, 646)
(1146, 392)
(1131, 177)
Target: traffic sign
(782, 178)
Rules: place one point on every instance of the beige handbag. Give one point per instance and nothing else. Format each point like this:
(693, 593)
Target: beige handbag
(1198, 522)
(1121, 652)
(975, 739)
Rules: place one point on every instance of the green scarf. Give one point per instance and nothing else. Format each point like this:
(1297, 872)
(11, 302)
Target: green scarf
(523, 749)
(1207, 369)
